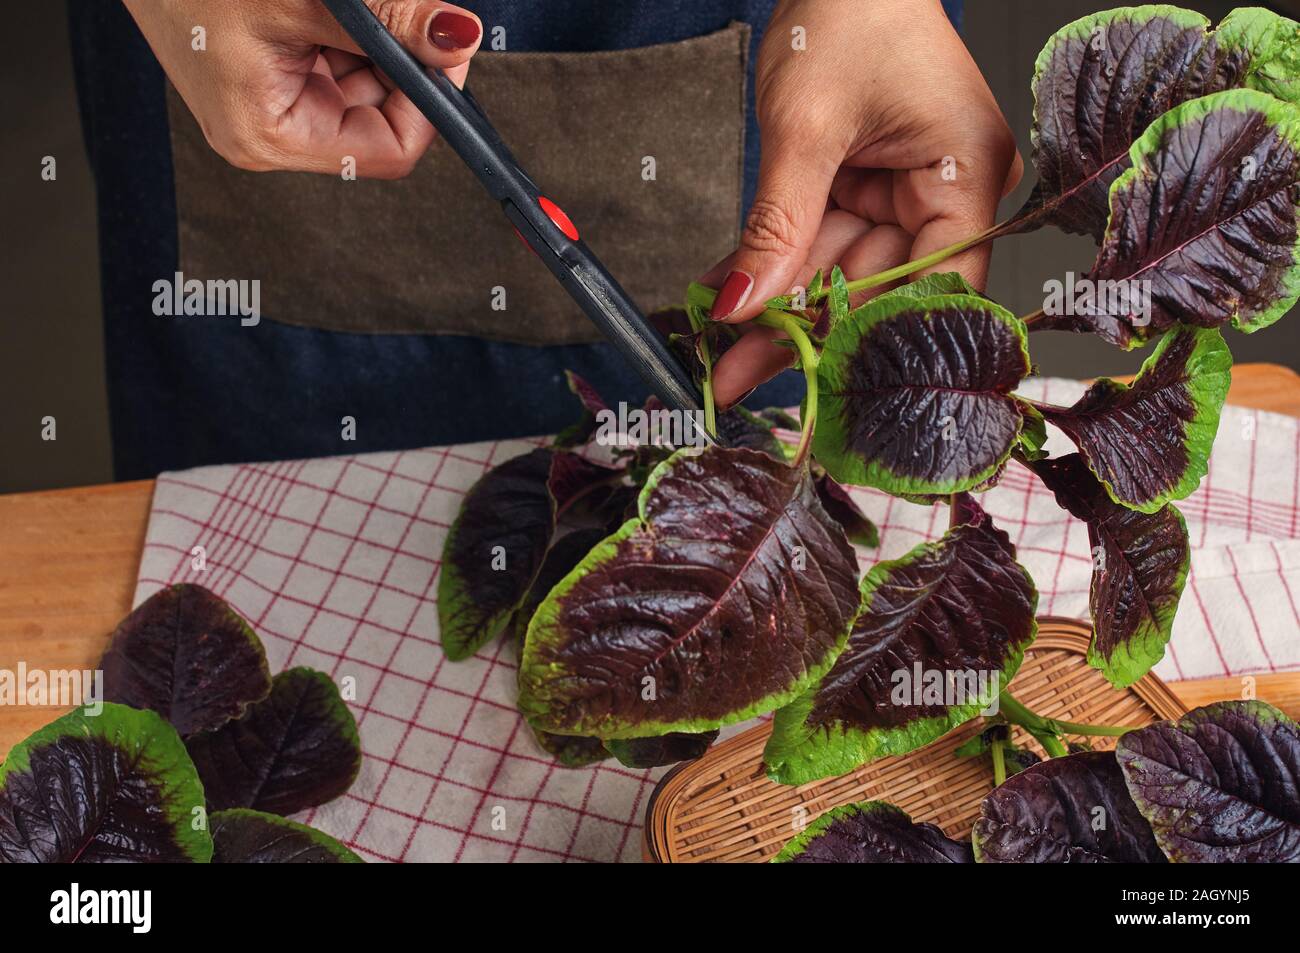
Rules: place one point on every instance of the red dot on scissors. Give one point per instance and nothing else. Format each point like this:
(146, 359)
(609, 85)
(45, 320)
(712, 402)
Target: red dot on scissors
(556, 215)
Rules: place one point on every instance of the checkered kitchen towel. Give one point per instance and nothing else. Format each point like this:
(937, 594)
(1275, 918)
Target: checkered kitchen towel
(335, 563)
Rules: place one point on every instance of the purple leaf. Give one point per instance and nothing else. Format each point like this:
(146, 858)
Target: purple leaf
(240, 836)
(1069, 810)
(872, 832)
(842, 508)
(116, 787)
(499, 539)
(729, 592)
(1140, 564)
(187, 655)
(916, 394)
(1150, 443)
(941, 632)
(1221, 785)
(661, 750)
(295, 749)
(1203, 227)
(1102, 80)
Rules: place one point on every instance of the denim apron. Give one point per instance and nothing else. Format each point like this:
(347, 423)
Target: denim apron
(635, 115)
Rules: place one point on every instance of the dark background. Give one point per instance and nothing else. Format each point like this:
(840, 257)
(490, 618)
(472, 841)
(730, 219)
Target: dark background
(51, 360)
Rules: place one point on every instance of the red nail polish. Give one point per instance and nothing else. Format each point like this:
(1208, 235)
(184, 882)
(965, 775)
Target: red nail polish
(453, 31)
(732, 294)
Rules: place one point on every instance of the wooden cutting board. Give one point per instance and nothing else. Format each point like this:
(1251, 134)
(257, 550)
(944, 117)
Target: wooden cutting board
(68, 562)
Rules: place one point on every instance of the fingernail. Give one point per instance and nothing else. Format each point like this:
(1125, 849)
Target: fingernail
(453, 31)
(732, 295)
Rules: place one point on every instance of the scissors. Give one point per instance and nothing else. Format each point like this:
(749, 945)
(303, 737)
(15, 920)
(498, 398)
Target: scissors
(539, 221)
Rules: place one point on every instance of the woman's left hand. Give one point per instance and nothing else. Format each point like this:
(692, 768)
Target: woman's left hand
(881, 144)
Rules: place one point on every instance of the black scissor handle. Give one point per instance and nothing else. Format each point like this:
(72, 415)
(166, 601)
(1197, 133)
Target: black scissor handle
(539, 221)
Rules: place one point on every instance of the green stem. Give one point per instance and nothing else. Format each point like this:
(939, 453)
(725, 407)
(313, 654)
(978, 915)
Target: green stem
(1074, 728)
(809, 357)
(1018, 714)
(920, 264)
(710, 405)
(999, 762)
(1051, 744)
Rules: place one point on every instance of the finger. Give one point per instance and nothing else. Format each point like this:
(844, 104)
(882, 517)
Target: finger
(361, 121)
(944, 204)
(881, 248)
(755, 358)
(838, 231)
(439, 35)
(714, 277)
(867, 193)
(343, 63)
(1014, 174)
(793, 185)
(321, 132)
(356, 78)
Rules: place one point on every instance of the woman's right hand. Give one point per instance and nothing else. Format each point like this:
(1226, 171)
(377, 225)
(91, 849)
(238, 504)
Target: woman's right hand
(279, 85)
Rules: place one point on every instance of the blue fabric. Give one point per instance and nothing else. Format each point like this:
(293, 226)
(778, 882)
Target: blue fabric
(189, 392)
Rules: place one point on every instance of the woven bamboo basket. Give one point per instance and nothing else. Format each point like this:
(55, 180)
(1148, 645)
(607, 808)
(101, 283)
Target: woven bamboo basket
(723, 807)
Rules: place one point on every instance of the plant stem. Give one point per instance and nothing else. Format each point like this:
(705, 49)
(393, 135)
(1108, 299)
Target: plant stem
(1018, 714)
(1074, 728)
(710, 405)
(999, 762)
(809, 357)
(1051, 744)
(911, 267)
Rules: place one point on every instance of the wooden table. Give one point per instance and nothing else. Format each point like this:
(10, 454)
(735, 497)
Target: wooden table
(68, 562)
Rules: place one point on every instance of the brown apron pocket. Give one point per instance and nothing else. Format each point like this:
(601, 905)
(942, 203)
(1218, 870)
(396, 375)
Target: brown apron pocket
(433, 254)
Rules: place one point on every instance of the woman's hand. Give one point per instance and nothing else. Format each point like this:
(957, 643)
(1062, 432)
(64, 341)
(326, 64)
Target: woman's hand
(280, 85)
(881, 144)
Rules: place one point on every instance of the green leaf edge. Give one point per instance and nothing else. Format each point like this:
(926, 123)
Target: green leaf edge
(1262, 34)
(533, 675)
(340, 851)
(795, 755)
(136, 730)
(830, 440)
(341, 714)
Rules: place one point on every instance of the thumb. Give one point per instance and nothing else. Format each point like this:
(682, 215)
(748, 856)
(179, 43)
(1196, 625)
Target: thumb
(439, 35)
(793, 186)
